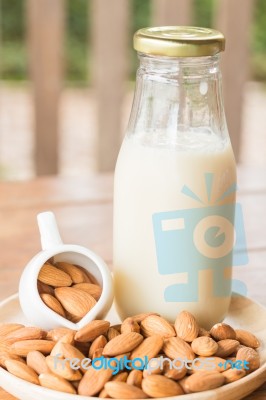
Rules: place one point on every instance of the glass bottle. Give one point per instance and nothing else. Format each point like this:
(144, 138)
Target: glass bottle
(174, 196)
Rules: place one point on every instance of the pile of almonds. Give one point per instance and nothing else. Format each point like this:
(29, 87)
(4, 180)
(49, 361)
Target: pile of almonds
(69, 290)
(29, 353)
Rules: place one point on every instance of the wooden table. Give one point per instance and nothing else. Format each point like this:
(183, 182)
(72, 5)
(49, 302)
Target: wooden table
(83, 208)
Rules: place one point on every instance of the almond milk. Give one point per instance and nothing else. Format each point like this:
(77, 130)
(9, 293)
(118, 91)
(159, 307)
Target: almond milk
(149, 179)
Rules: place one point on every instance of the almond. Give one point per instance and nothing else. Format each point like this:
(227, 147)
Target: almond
(122, 344)
(233, 375)
(55, 382)
(174, 373)
(37, 362)
(72, 317)
(22, 371)
(155, 367)
(57, 333)
(183, 385)
(6, 329)
(103, 394)
(4, 347)
(117, 327)
(83, 347)
(123, 355)
(92, 330)
(135, 378)
(186, 326)
(210, 364)
(130, 325)
(250, 356)
(53, 276)
(155, 325)
(75, 301)
(88, 277)
(57, 350)
(122, 390)
(204, 332)
(72, 352)
(204, 346)
(98, 353)
(26, 333)
(23, 347)
(222, 331)
(150, 347)
(63, 368)
(140, 317)
(75, 273)
(94, 290)
(51, 302)
(43, 288)
(120, 377)
(247, 338)
(176, 347)
(233, 359)
(6, 356)
(93, 381)
(204, 380)
(226, 347)
(112, 333)
(98, 343)
(160, 386)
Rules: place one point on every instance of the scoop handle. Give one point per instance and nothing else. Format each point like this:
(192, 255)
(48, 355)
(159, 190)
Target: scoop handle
(50, 236)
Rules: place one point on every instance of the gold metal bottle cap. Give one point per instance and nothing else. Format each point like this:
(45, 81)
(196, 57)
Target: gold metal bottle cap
(179, 41)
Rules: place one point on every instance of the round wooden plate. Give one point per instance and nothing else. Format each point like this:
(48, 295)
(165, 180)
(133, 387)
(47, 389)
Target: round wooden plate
(244, 313)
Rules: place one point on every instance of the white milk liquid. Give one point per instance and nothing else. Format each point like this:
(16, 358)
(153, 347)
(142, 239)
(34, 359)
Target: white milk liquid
(148, 180)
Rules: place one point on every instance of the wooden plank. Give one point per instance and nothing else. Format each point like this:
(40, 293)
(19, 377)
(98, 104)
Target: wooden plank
(171, 12)
(51, 191)
(234, 18)
(110, 63)
(45, 31)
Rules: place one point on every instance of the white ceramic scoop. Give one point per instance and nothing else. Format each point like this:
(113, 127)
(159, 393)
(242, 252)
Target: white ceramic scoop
(52, 246)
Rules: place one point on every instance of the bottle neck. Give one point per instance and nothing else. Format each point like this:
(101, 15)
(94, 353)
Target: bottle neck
(175, 96)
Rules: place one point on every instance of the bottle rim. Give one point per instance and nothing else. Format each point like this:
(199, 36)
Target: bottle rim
(179, 41)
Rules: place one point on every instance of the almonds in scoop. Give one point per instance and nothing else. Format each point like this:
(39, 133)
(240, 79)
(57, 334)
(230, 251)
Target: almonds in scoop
(74, 272)
(91, 288)
(75, 301)
(53, 303)
(68, 289)
(53, 276)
